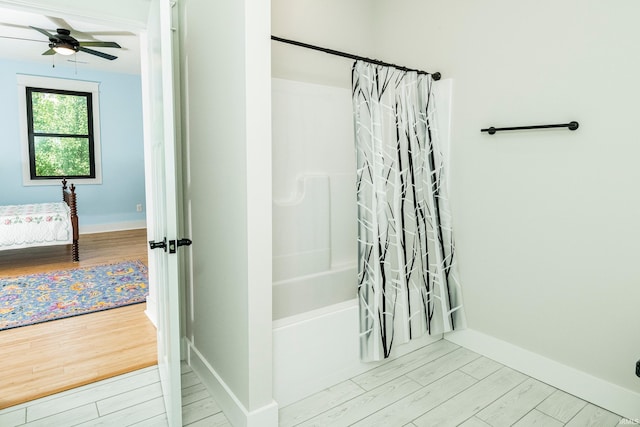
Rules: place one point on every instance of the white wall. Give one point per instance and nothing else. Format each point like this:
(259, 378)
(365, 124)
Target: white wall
(546, 221)
(334, 24)
(225, 62)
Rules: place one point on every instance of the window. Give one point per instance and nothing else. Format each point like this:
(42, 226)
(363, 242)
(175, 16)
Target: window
(60, 132)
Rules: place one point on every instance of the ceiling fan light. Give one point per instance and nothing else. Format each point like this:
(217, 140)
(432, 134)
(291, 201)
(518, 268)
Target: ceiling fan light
(64, 49)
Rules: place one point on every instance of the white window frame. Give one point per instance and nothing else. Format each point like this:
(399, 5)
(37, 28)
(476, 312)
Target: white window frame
(25, 81)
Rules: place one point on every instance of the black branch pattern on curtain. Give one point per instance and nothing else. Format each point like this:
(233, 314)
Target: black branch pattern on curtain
(407, 280)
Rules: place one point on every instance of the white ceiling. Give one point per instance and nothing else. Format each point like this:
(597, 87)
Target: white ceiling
(28, 44)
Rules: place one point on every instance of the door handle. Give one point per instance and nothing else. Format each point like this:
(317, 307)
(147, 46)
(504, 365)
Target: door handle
(184, 242)
(157, 245)
(180, 242)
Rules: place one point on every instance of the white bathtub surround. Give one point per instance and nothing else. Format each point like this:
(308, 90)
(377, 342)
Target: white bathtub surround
(302, 225)
(407, 275)
(313, 291)
(314, 202)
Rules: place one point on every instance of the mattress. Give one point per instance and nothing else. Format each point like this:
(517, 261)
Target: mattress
(41, 224)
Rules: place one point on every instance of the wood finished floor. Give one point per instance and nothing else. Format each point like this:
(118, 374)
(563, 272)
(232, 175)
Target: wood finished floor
(439, 385)
(50, 357)
(97, 248)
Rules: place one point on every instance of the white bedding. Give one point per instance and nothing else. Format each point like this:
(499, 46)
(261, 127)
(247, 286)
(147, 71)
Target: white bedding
(42, 224)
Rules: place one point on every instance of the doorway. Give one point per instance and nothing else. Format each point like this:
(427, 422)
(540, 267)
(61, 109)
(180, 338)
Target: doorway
(136, 243)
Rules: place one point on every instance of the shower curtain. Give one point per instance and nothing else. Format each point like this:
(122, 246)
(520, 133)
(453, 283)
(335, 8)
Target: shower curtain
(407, 278)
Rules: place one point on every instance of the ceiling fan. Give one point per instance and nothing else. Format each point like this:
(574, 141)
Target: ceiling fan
(63, 43)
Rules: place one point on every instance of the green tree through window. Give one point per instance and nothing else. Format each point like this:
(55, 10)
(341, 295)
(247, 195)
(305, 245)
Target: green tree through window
(60, 134)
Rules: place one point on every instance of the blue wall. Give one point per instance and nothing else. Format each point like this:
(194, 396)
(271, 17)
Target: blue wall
(121, 138)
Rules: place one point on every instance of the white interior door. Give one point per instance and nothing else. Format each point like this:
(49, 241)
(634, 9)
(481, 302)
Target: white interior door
(160, 151)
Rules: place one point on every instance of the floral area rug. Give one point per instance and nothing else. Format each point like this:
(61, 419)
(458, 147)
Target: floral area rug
(25, 300)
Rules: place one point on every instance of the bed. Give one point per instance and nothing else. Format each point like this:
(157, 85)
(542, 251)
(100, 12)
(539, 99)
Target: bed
(41, 224)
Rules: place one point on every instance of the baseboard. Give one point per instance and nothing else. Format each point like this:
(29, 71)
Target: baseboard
(151, 311)
(612, 397)
(233, 409)
(115, 226)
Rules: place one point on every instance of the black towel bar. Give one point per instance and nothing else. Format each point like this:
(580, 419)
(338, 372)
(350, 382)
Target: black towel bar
(571, 125)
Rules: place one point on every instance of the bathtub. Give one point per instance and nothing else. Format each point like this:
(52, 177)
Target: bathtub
(315, 333)
(317, 349)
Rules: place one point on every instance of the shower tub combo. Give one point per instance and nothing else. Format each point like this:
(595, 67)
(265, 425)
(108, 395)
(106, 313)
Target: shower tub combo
(315, 310)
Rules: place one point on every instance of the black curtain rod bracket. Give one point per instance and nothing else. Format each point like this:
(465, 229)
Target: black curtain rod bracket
(434, 76)
(571, 126)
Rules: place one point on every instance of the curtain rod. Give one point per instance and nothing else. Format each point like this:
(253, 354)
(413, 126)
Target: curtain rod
(435, 76)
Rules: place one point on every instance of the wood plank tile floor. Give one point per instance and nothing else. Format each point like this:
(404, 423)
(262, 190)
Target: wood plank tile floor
(439, 385)
(133, 399)
(444, 385)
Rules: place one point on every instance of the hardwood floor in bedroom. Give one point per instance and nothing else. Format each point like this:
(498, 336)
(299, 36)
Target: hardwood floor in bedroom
(50, 357)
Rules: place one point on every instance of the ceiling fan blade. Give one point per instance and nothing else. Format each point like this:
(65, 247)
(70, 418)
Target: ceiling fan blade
(22, 38)
(91, 34)
(24, 27)
(101, 44)
(61, 23)
(95, 52)
(45, 32)
(49, 52)
(88, 35)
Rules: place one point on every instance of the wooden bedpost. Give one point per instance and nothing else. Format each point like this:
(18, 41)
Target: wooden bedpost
(70, 199)
(75, 250)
